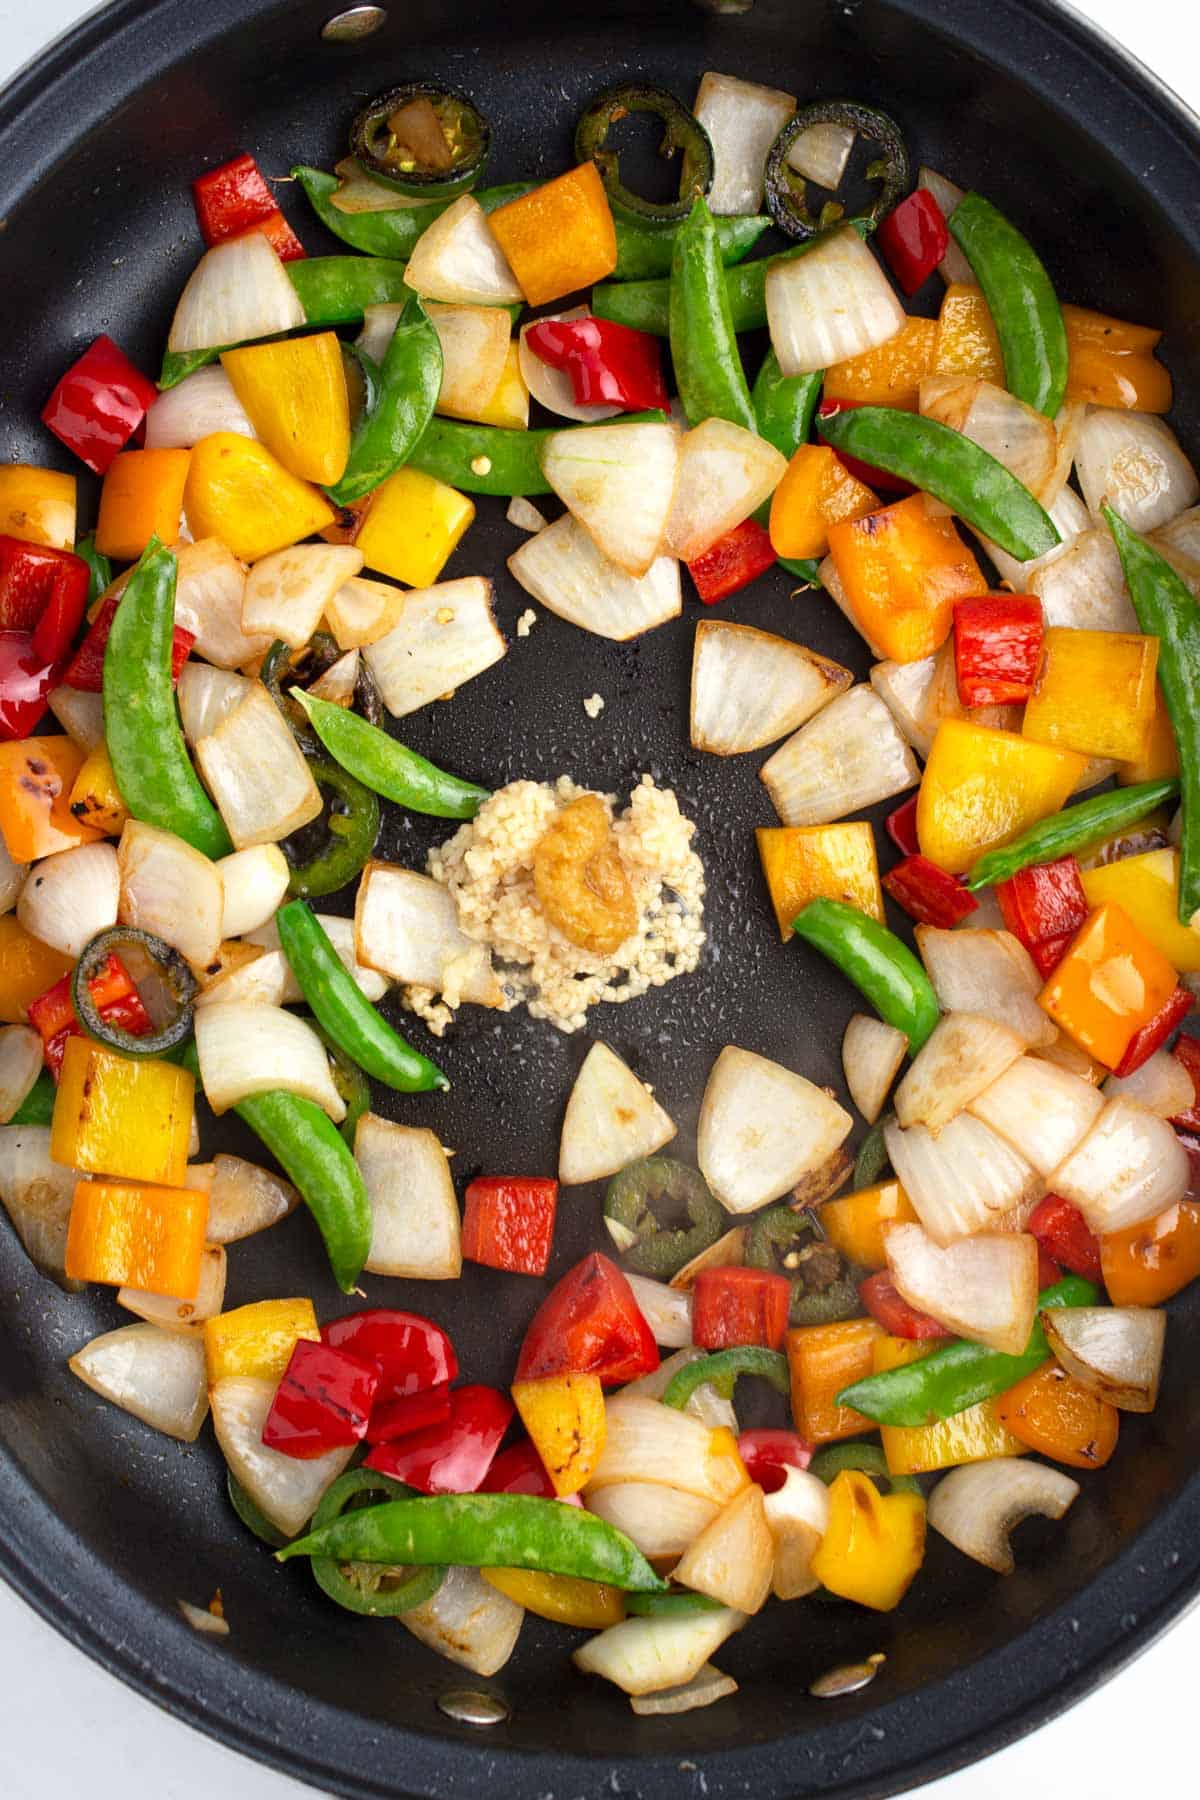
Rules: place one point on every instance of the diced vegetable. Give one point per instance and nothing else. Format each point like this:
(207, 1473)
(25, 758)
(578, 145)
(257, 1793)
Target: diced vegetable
(1114, 1351)
(121, 1118)
(444, 637)
(762, 1129)
(962, 1181)
(652, 1655)
(406, 926)
(984, 1288)
(1040, 1110)
(983, 787)
(257, 1341)
(248, 1049)
(619, 482)
(830, 304)
(1133, 463)
(284, 1488)
(650, 1442)
(902, 571)
(964, 1055)
(733, 1559)
(135, 1236)
(872, 1053)
(412, 526)
(611, 1119)
(750, 688)
(988, 972)
(458, 259)
(1110, 983)
(847, 758)
(822, 1360)
(416, 1224)
(562, 567)
(158, 1376)
(874, 1543)
(724, 473)
(257, 774)
(1130, 1167)
(977, 1508)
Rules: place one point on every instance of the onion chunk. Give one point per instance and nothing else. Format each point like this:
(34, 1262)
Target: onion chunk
(1114, 1351)
(750, 688)
(763, 1129)
(977, 1507)
(612, 1119)
(849, 757)
(984, 1288)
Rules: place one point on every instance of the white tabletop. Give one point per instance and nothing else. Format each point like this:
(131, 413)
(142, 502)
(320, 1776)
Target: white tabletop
(66, 1725)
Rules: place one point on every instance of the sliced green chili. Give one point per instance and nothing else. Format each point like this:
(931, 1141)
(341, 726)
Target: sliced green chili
(644, 250)
(172, 975)
(786, 189)
(631, 1203)
(1022, 302)
(681, 1603)
(393, 233)
(344, 1010)
(37, 1108)
(485, 1531)
(377, 140)
(682, 131)
(410, 377)
(373, 1589)
(722, 1369)
(883, 969)
(388, 767)
(1166, 610)
(100, 572)
(330, 852)
(284, 665)
(152, 768)
(251, 1513)
(1075, 830)
(708, 368)
(491, 459)
(788, 1243)
(948, 1381)
(872, 1159)
(864, 1457)
(949, 466)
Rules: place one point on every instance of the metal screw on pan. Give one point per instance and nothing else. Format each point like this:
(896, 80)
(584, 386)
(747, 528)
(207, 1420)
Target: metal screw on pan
(467, 1706)
(356, 23)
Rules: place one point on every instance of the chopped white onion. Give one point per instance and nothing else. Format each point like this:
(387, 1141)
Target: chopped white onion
(406, 927)
(830, 304)
(360, 193)
(872, 1052)
(733, 1558)
(762, 1129)
(1065, 1054)
(742, 120)
(246, 975)
(1162, 1085)
(378, 329)
(287, 592)
(209, 587)
(199, 407)
(706, 1686)
(1133, 462)
(962, 1181)
(71, 896)
(1114, 1351)
(37, 1194)
(200, 1619)
(553, 388)
(1016, 435)
(848, 758)
(977, 1507)
(619, 482)
(238, 291)
(468, 1621)
(1084, 587)
(954, 265)
(253, 884)
(1179, 542)
(340, 933)
(820, 153)
(661, 1521)
(962, 1056)
(666, 1310)
(1068, 515)
(338, 682)
(252, 1049)
(650, 1655)
(905, 689)
(703, 1403)
(986, 972)
(256, 773)
(984, 1288)
(244, 1199)
(158, 1376)
(416, 1230)
(21, 1061)
(612, 1119)
(183, 1315)
(474, 341)
(750, 688)
(1129, 1167)
(444, 637)
(362, 611)
(458, 258)
(647, 1441)
(80, 715)
(562, 567)
(287, 1489)
(207, 696)
(725, 474)
(1041, 1110)
(798, 1517)
(524, 514)
(171, 890)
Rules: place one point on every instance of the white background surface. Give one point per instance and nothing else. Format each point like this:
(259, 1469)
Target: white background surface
(65, 1725)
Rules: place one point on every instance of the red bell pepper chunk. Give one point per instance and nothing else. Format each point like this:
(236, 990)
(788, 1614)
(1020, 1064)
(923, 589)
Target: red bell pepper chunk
(86, 668)
(733, 562)
(405, 1413)
(26, 682)
(508, 1222)
(769, 1454)
(879, 479)
(323, 1402)
(234, 199)
(609, 365)
(1064, 1234)
(99, 404)
(739, 1306)
(886, 1304)
(455, 1456)
(901, 827)
(115, 997)
(1049, 1273)
(1191, 1144)
(412, 1354)
(1155, 1032)
(914, 238)
(997, 643)
(927, 893)
(43, 593)
(589, 1324)
(520, 1470)
(1187, 1051)
(1044, 906)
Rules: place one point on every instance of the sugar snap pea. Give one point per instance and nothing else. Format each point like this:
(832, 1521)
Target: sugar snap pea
(884, 969)
(410, 377)
(1075, 830)
(1022, 301)
(708, 368)
(388, 767)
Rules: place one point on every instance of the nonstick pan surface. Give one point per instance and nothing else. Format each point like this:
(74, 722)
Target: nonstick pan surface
(103, 1525)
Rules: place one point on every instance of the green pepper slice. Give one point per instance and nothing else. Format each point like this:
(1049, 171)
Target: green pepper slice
(37, 1108)
(632, 1202)
(866, 1459)
(785, 189)
(682, 131)
(872, 1159)
(882, 968)
(1022, 302)
(431, 143)
(1075, 830)
(387, 767)
(173, 976)
(722, 1369)
(373, 1589)
(330, 852)
(789, 1243)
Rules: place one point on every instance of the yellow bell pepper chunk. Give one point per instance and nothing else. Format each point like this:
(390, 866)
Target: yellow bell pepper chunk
(95, 797)
(1111, 982)
(812, 862)
(259, 1339)
(856, 1224)
(116, 1116)
(37, 505)
(874, 1543)
(27, 968)
(509, 404)
(966, 342)
(295, 395)
(1094, 692)
(889, 375)
(238, 492)
(566, 1599)
(983, 787)
(971, 1436)
(1160, 759)
(1146, 888)
(564, 1416)
(412, 527)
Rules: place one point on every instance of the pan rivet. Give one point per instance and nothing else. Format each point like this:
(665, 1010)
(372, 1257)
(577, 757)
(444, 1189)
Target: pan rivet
(849, 1679)
(467, 1706)
(355, 23)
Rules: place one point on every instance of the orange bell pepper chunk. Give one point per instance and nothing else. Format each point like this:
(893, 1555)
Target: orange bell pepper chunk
(982, 787)
(142, 498)
(568, 1600)
(822, 1360)
(816, 491)
(967, 343)
(37, 505)
(127, 1235)
(814, 862)
(975, 1435)
(564, 1416)
(238, 492)
(120, 1117)
(559, 238)
(27, 968)
(1148, 1263)
(36, 779)
(1095, 692)
(890, 375)
(856, 1224)
(1110, 983)
(1110, 363)
(902, 569)
(1057, 1416)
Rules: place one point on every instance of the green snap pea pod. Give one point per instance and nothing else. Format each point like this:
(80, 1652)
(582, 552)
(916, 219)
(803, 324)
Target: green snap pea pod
(141, 726)
(387, 767)
(722, 1369)
(645, 305)
(410, 376)
(785, 405)
(344, 1010)
(951, 468)
(37, 1108)
(683, 1603)
(1167, 611)
(251, 1514)
(644, 249)
(708, 368)
(336, 290)
(1075, 830)
(392, 233)
(962, 1374)
(350, 826)
(863, 1457)
(373, 1589)
(883, 969)
(1022, 301)
(485, 1531)
(491, 459)
(353, 1088)
(649, 1246)
(100, 572)
(872, 1158)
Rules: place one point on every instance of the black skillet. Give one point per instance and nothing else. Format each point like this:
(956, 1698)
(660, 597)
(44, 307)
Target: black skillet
(102, 1524)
